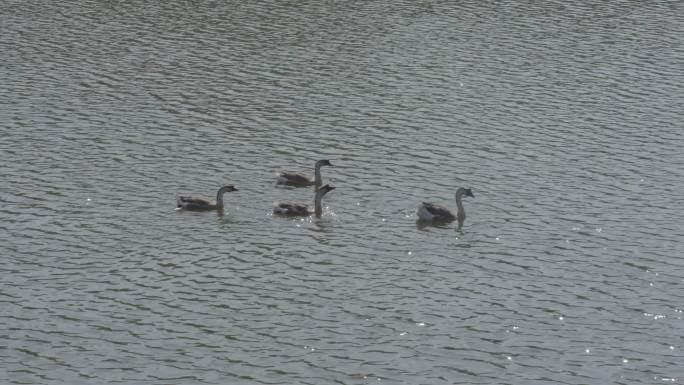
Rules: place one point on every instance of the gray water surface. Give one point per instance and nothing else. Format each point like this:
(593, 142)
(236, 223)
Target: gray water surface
(565, 120)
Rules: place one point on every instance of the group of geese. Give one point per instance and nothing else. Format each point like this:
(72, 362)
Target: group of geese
(427, 212)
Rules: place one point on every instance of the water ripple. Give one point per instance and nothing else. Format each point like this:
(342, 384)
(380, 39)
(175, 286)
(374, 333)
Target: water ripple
(563, 118)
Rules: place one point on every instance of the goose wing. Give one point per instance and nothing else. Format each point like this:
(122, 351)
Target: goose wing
(190, 203)
(192, 200)
(437, 211)
(291, 209)
(293, 178)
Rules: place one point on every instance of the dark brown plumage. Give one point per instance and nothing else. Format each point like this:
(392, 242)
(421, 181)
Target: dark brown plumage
(298, 179)
(201, 204)
(298, 209)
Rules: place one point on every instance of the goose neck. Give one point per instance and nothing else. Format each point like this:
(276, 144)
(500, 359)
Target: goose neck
(219, 198)
(317, 175)
(459, 203)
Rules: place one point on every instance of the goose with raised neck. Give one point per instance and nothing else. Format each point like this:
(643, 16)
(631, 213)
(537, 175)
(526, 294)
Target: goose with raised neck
(298, 209)
(430, 212)
(298, 179)
(201, 204)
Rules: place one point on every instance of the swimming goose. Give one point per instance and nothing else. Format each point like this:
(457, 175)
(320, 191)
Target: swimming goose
(436, 213)
(297, 209)
(199, 204)
(299, 179)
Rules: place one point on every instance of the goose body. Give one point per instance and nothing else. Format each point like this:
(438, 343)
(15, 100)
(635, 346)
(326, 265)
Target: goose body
(298, 209)
(201, 204)
(298, 179)
(294, 209)
(435, 213)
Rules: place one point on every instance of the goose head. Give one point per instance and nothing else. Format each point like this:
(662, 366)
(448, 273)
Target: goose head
(461, 192)
(228, 188)
(324, 162)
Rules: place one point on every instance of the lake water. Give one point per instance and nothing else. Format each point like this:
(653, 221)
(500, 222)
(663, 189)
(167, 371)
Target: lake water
(564, 119)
